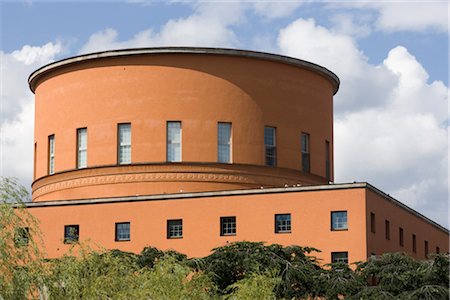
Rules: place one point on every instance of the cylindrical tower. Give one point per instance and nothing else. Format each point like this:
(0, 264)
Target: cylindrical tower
(168, 120)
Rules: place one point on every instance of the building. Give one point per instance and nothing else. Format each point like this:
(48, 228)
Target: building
(192, 148)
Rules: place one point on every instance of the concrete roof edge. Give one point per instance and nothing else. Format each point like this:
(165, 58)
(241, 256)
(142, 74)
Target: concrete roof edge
(333, 78)
(407, 208)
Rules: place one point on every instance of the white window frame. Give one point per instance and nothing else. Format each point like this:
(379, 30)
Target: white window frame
(339, 220)
(171, 144)
(51, 154)
(224, 130)
(81, 149)
(123, 144)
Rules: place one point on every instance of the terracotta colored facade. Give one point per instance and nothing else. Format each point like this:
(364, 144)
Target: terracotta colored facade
(265, 179)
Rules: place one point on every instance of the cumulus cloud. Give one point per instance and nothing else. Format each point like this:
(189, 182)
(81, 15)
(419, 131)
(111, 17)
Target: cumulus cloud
(390, 121)
(351, 25)
(338, 52)
(403, 15)
(17, 108)
(278, 9)
(206, 27)
(412, 16)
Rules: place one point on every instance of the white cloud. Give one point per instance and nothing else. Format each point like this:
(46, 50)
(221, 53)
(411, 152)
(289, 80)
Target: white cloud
(362, 85)
(412, 16)
(278, 9)
(349, 24)
(206, 27)
(17, 108)
(402, 15)
(37, 55)
(389, 119)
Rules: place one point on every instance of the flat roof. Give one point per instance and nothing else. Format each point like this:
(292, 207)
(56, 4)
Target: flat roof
(178, 196)
(37, 74)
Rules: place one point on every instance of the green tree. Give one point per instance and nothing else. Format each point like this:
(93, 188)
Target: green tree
(338, 280)
(255, 286)
(403, 277)
(22, 271)
(234, 262)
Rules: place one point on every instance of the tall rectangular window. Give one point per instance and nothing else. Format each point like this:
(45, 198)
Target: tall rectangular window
(387, 229)
(224, 142)
(305, 153)
(175, 229)
(414, 245)
(339, 257)
(51, 154)
(227, 225)
(71, 233)
(81, 148)
(282, 223)
(372, 222)
(438, 251)
(174, 141)
(327, 161)
(270, 143)
(124, 144)
(123, 231)
(426, 249)
(400, 237)
(339, 220)
(34, 161)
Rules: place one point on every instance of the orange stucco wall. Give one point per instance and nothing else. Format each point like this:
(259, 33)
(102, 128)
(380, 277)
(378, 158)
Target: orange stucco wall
(310, 212)
(412, 224)
(198, 90)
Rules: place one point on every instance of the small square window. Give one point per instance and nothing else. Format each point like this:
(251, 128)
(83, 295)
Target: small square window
(339, 257)
(339, 220)
(21, 236)
(282, 223)
(71, 234)
(228, 226)
(123, 231)
(175, 229)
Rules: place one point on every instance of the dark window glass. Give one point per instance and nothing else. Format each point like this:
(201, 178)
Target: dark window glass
(400, 236)
(282, 223)
(426, 249)
(438, 250)
(71, 233)
(306, 164)
(372, 222)
(270, 145)
(228, 226)
(339, 257)
(21, 236)
(387, 229)
(327, 161)
(123, 231)
(174, 229)
(339, 220)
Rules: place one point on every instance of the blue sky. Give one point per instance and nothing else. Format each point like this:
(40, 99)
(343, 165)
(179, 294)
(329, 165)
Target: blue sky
(391, 113)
